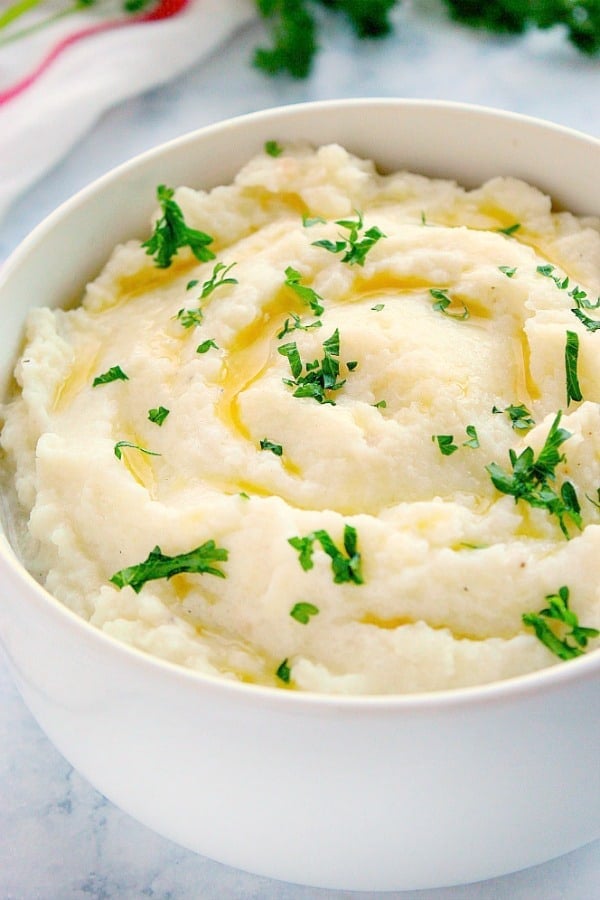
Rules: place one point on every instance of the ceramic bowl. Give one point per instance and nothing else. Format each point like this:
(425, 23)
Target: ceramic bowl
(373, 793)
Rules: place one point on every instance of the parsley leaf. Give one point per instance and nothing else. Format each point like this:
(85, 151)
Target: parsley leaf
(284, 673)
(519, 416)
(171, 233)
(277, 449)
(302, 612)
(573, 642)
(273, 148)
(354, 247)
(306, 294)
(510, 229)
(217, 279)
(297, 326)
(190, 317)
(531, 478)
(442, 303)
(205, 346)
(115, 373)
(571, 357)
(445, 443)
(473, 439)
(509, 271)
(320, 378)
(346, 568)
(118, 449)
(309, 221)
(157, 565)
(590, 324)
(158, 415)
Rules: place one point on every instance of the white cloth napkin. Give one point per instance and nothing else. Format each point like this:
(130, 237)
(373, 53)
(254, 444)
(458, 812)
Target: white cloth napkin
(39, 124)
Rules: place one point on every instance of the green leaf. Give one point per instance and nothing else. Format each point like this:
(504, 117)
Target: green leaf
(510, 229)
(306, 294)
(189, 318)
(205, 346)
(320, 378)
(346, 568)
(356, 246)
(564, 644)
(172, 234)
(519, 416)
(273, 148)
(284, 672)
(571, 358)
(121, 445)
(445, 443)
(509, 271)
(158, 415)
(218, 279)
(473, 439)
(115, 373)
(277, 449)
(442, 303)
(157, 565)
(302, 612)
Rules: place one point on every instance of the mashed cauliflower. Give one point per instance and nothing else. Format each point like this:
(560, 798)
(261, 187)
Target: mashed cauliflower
(345, 450)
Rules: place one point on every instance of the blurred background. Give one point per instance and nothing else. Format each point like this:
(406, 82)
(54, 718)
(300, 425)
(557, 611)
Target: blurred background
(81, 92)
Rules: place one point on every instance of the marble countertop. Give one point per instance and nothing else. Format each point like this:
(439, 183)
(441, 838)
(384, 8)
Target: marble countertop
(59, 838)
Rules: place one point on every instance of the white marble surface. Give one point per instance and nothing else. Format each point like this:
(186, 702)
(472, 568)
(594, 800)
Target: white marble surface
(58, 837)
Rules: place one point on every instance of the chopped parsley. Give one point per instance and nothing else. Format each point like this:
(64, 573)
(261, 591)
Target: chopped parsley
(120, 445)
(531, 479)
(443, 301)
(381, 404)
(346, 566)
(190, 317)
(590, 324)
(509, 271)
(354, 247)
(319, 378)
(309, 221)
(115, 373)
(582, 301)
(519, 416)
(283, 672)
(158, 415)
(510, 229)
(272, 148)
(473, 439)
(157, 565)
(218, 279)
(564, 644)
(378, 307)
(302, 612)
(306, 294)
(297, 325)
(571, 358)
(191, 284)
(171, 233)
(351, 365)
(445, 443)
(205, 346)
(277, 449)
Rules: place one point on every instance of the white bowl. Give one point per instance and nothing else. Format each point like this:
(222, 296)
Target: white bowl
(374, 793)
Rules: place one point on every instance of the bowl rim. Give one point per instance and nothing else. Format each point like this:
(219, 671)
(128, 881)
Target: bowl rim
(541, 681)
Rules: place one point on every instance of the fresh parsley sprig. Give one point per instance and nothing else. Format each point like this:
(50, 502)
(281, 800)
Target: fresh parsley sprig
(115, 373)
(306, 294)
(297, 325)
(320, 378)
(443, 301)
(356, 246)
(217, 279)
(346, 566)
(158, 565)
(531, 479)
(121, 445)
(172, 234)
(519, 415)
(564, 644)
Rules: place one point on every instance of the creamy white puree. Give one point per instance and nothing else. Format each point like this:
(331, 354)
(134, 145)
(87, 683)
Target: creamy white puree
(449, 563)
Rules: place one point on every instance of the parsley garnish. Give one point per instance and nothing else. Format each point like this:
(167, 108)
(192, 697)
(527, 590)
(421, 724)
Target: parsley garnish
(297, 326)
(530, 479)
(306, 294)
(171, 233)
(351, 365)
(309, 221)
(218, 279)
(378, 307)
(273, 148)
(118, 449)
(277, 449)
(158, 415)
(442, 303)
(571, 357)
(571, 643)
(590, 324)
(206, 345)
(345, 567)
(576, 293)
(509, 271)
(319, 377)
(473, 439)
(157, 565)
(381, 404)
(519, 416)
(302, 612)
(510, 229)
(190, 317)
(354, 247)
(445, 443)
(191, 284)
(284, 672)
(115, 373)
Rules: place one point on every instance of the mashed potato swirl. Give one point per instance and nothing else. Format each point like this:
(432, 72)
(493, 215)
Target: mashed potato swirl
(457, 315)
